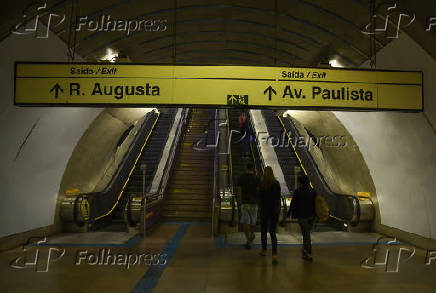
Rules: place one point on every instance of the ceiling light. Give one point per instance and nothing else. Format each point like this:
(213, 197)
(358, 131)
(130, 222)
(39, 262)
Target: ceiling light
(288, 113)
(111, 55)
(335, 63)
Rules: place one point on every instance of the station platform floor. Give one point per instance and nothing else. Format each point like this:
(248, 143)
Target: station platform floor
(184, 257)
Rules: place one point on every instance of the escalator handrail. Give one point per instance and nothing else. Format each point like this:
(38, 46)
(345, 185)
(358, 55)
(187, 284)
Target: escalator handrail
(230, 169)
(229, 155)
(215, 163)
(215, 192)
(261, 163)
(326, 187)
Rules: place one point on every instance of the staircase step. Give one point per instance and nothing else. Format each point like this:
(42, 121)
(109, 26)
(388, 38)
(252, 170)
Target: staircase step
(190, 189)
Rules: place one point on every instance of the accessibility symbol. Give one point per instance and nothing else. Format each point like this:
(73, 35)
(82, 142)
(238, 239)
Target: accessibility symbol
(237, 99)
(56, 88)
(270, 91)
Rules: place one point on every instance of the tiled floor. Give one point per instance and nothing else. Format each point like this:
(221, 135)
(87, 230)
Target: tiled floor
(91, 238)
(318, 238)
(198, 265)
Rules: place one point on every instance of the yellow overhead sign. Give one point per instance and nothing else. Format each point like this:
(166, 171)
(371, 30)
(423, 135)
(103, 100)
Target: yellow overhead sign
(127, 85)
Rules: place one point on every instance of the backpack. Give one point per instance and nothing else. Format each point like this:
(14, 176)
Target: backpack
(321, 208)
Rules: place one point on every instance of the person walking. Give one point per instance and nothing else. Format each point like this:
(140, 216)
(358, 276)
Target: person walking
(244, 134)
(270, 196)
(303, 209)
(248, 193)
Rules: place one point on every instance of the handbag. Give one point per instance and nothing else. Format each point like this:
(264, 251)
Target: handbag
(321, 208)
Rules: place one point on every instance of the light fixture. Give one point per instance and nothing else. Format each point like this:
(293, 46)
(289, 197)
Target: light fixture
(335, 63)
(288, 113)
(111, 55)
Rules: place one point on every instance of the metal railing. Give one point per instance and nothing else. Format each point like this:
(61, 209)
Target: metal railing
(215, 193)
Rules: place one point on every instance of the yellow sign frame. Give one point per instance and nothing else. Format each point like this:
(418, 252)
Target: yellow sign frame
(139, 85)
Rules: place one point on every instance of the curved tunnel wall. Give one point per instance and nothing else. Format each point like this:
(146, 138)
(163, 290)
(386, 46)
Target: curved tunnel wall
(334, 151)
(36, 143)
(399, 148)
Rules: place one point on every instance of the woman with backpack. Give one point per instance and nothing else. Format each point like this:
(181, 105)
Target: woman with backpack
(270, 196)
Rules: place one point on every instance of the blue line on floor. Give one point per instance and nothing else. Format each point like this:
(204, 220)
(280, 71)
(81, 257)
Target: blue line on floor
(185, 222)
(151, 277)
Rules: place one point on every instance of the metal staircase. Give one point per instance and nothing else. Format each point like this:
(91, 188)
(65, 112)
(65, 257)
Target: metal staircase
(189, 196)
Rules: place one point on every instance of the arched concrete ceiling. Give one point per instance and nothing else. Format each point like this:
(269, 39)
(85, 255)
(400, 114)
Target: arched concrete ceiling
(264, 32)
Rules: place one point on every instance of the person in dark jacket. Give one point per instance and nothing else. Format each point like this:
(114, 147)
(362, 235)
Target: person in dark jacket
(303, 209)
(244, 134)
(270, 196)
(248, 193)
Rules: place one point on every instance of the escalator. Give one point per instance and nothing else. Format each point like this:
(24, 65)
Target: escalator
(189, 195)
(290, 164)
(238, 162)
(149, 158)
(109, 209)
(345, 209)
(286, 157)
